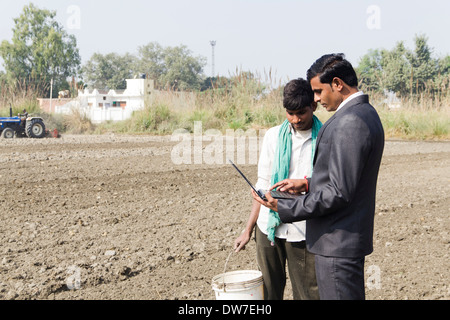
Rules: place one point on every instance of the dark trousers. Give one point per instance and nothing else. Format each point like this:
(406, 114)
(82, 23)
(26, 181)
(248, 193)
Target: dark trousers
(340, 278)
(272, 262)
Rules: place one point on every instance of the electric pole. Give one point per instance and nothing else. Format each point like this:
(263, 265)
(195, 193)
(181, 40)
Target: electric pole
(213, 45)
(51, 94)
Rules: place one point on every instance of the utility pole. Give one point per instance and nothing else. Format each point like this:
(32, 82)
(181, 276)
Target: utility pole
(51, 94)
(213, 45)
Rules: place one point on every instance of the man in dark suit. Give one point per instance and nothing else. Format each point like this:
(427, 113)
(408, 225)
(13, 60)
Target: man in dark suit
(339, 203)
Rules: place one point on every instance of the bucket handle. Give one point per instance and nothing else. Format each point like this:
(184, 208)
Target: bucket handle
(228, 258)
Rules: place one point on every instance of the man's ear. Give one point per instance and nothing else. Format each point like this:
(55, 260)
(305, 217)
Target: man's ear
(337, 84)
(314, 106)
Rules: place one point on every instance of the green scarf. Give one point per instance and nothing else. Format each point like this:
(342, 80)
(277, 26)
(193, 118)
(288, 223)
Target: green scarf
(281, 163)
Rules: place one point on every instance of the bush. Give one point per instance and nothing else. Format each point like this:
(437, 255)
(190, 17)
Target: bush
(77, 123)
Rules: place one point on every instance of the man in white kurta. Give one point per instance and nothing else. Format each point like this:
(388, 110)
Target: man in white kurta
(289, 245)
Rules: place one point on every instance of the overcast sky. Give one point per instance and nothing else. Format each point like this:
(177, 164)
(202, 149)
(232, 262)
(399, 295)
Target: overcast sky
(286, 36)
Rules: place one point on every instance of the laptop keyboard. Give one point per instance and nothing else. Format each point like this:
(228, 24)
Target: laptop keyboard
(279, 194)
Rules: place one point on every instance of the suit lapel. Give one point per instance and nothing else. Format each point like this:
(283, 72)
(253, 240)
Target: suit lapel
(320, 134)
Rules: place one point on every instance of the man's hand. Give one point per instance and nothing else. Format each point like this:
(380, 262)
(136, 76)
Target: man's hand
(291, 186)
(241, 241)
(271, 203)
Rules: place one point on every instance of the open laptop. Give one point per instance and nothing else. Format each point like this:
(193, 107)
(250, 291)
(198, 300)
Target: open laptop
(261, 193)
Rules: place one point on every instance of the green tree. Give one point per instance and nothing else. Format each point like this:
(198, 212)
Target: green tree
(442, 80)
(370, 71)
(216, 83)
(396, 69)
(40, 50)
(444, 65)
(151, 60)
(109, 71)
(381, 70)
(402, 70)
(424, 67)
(171, 67)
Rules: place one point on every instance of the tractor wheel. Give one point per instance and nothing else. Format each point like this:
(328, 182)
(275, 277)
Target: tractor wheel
(35, 129)
(8, 133)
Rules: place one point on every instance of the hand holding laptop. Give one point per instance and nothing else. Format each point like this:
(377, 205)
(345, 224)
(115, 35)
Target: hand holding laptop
(261, 193)
(290, 186)
(267, 200)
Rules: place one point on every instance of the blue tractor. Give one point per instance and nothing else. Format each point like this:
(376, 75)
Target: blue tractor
(22, 126)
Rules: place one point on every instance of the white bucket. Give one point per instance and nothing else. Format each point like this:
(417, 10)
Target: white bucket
(239, 285)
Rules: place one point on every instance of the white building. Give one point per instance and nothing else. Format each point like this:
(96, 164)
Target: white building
(113, 105)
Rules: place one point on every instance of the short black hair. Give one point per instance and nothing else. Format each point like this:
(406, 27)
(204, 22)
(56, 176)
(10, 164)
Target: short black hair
(298, 94)
(333, 65)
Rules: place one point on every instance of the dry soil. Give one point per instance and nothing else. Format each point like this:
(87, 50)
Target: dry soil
(112, 217)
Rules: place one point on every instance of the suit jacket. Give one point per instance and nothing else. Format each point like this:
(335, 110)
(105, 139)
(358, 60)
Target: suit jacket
(340, 205)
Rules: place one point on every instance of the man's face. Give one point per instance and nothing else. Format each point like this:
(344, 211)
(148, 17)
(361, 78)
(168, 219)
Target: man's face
(327, 95)
(301, 119)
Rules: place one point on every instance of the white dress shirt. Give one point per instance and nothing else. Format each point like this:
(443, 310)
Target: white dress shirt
(301, 166)
(353, 96)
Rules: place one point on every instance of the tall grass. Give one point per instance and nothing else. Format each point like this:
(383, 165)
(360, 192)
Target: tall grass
(21, 94)
(416, 123)
(420, 117)
(76, 123)
(245, 102)
(242, 103)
